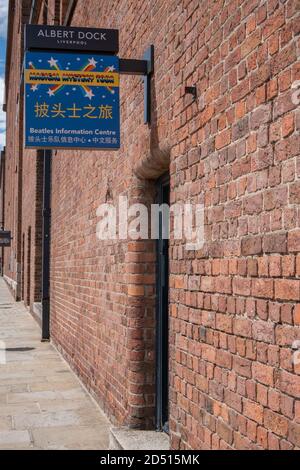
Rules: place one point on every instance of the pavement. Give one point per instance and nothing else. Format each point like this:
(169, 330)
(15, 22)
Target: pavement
(42, 403)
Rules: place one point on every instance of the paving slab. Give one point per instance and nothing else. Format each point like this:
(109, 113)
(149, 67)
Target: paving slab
(5, 423)
(129, 439)
(71, 438)
(14, 437)
(42, 403)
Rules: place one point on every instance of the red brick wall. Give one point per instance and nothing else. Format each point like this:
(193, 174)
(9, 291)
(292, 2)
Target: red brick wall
(32, 222)
(234, 305)
(23, 185)
(13, 166)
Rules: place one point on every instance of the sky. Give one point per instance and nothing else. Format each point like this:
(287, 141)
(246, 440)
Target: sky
(3, 31)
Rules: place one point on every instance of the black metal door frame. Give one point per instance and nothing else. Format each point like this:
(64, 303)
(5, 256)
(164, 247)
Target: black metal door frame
(162, 313)
(46, 245)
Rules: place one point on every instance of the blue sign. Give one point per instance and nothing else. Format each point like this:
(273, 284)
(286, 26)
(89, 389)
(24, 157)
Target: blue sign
(71, 100)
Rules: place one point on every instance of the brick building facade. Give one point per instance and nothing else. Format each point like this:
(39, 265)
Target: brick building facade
(234, 311)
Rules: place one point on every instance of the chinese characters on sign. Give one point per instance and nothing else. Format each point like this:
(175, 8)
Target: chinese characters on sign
(72, 101)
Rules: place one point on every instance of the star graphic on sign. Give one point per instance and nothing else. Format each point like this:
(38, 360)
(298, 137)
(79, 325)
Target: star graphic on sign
(111, 68)
(52, 62)
(89, 94)
(34, 87)
(50, 92)
(93, 62)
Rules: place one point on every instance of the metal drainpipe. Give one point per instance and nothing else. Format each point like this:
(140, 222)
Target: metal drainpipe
(46, 245)
(47, 157)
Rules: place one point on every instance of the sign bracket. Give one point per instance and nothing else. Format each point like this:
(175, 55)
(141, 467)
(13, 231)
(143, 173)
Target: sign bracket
(144, 67)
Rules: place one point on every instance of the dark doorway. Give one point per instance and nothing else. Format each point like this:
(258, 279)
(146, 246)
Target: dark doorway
(162, 313)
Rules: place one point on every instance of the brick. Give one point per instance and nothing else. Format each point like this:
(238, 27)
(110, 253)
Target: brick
(263, 331)
(260, 76)
(262, 158)
(207, 284)
(262, 309)
(240, 168)
(289, 383)
(260, 116)
(287, 406)
(136, 290)
(273, 441)
(284, 80)
(262, 288)
(297, 314)
(252, 268)
(287, 289)
(223, 139)
(223, 284)
(274, 198)
(274, 400)
(288, 266)
(263, 137)
(273, 23)
(253, 204)
(232, 209)
(282, 105)
(233, 400)
(253, 411)
(294, 240)
(283, 59)
(286, 313)
(294, 197)
(241, 286)
(240, 109)
(208, 353)
(288, 171)
(276, 423)
(275, 265)
(242, 366)
(273, 44)
(251, 245)
(242, 327)
(287, 125)
(179, 282)
(240, 91)
(286, 335)
(263, 373)
(223, 359)
(240, 129)
(275, 243)
(250, 43)
(294, 434)
(275, 131)
(224, 322)
(207, 114)
(224, 431)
